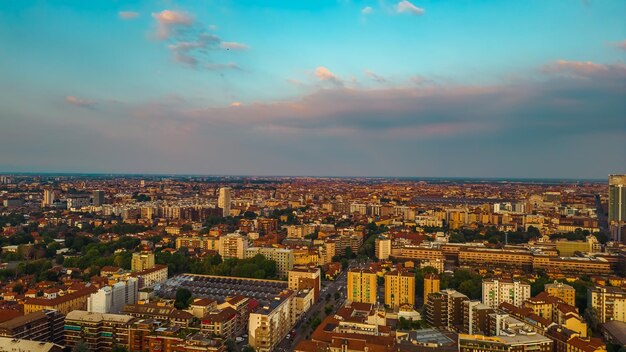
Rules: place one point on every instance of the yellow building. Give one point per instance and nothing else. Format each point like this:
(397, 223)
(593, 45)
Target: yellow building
(362, 286)
(63, 304)
(142, 261)
(563, 291)
(432, 284)
(399, 289)
(383, 248)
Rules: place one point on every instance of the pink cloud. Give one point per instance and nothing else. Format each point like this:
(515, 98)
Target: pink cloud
(233, 46)
(167, 20)
(374, 76)
(324, 74)
(128, 15)
(81, 102)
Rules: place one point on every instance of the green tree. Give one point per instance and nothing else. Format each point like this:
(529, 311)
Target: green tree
(183, 298)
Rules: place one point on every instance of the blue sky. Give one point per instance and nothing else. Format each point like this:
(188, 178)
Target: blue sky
(399, 88)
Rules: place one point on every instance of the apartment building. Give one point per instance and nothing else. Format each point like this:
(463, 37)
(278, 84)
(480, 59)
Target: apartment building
(271, 323)
(63, 304)
(562, 291)
(112, 299)
(233, 245)
(142, 261)
(399, 289)
(444, 309)
(99, 331)
(283, 257)
(383, 248)
(609, 303)
(198, 242)
(45, 325)
(301, 278)
(362, 286)
(497, 291)
(432, 284)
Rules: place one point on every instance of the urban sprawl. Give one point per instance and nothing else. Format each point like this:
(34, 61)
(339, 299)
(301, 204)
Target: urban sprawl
(196, 263)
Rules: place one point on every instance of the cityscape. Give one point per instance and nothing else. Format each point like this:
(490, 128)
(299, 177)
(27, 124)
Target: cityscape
(199, 263)
(313, 176)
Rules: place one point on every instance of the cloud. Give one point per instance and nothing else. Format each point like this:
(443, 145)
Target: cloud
(324, 74)
(169, 20)
(236, 104)
(374, 76)
(184, 50)
(226, 66)
(620, 45)
(81, 102)
(367, 10)
(405, 6)
(579, 68)
(191, 43)
(233, 46)
(128, 15)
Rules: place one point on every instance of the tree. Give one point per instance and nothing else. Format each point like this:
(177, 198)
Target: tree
(328, 309)
(81, 346)
(119, 348)
(183, 298)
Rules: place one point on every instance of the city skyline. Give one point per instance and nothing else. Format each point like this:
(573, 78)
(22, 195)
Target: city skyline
(325, 88)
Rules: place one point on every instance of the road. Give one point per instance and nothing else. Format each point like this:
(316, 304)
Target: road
(331, 287)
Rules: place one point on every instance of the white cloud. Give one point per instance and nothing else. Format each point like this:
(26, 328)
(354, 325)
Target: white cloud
(128, 15)
(367, 10)
(405, 6)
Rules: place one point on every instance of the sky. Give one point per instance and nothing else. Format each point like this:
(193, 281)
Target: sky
(423, 88)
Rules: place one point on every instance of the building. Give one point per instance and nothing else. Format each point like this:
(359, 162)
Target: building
(63, 304)
(98, 198)
(159, 312)
(233, 245)
(142, 261)
(609, 303)
(48, 198)
(563, 291)
(499, 291)
(45, 325)
(271, 323)
(198, 242)
(432, 284)
(223, 201)
(112, 299)
(399, 289)
(301, 278)
(362, 286)
(15, 345)
(476, 317)
(444, 309)
(99, 331)
(569, 248)
(383, 248)
(151, 277)
(513, 342)
(617, 204)
(283, 257)
(222, 323)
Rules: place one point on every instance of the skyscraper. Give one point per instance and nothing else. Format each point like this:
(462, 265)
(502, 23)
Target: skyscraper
(98, 198)
(223, 201)
(617, 205)
(48, 197)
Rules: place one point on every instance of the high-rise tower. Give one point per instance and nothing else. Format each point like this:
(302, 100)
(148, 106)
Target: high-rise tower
(617, 206)
(223, 201)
